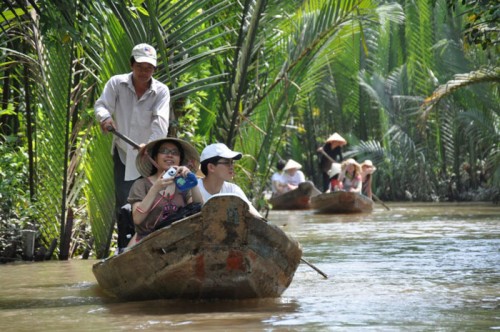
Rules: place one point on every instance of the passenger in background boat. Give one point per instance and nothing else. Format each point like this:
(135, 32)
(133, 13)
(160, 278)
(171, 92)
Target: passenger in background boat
(350, 176)
(293, 175)
(334, 174)
(278, 185)
(333, 150)
(138, 106)
(367, 170)
(217, 164)
(154, 198)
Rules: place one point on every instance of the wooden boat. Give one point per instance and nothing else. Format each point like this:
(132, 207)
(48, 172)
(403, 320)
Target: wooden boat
(341, 202)
(297, 199)
(222, 252)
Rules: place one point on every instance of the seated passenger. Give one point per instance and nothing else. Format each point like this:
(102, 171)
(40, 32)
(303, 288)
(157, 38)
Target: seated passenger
(350, 176)
(278, 185)
(217, 164)
(367, 170)
(293, 175)
(333, 174)
(154, 198)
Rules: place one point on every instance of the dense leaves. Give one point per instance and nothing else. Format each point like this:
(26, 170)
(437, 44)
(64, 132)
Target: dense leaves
(270, 78)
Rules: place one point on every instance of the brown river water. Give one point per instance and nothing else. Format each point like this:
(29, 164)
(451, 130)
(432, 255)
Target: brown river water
(417, 267)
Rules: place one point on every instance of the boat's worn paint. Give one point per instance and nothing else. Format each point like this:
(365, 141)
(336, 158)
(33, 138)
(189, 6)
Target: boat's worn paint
(222, 252)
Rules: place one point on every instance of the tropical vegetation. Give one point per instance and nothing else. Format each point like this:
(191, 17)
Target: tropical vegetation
(412, 85)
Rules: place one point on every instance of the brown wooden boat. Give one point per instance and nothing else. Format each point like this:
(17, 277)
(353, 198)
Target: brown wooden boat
(297, 199)
(341, 202)
(223, 252)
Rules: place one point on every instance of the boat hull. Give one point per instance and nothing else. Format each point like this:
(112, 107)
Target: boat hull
(223, 252)
(341, 202)
(297, 199)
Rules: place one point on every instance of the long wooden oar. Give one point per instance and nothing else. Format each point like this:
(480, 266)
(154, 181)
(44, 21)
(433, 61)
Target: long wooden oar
(134, 144)
(315, 268)
(308, 263)
(380, 201)
(374, 196)
(123, 137)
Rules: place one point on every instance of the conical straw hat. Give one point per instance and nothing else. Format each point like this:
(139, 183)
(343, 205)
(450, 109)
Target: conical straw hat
(292, 164)
(191, 157)
(335, 137)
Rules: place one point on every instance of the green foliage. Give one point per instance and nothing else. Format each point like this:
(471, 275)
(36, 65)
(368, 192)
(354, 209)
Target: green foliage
(482, 17)
(16, 209)
(272, 79)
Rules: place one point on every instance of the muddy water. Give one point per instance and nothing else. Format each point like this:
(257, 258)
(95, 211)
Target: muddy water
(417, 267)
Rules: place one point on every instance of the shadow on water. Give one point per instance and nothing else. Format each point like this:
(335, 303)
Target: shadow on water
(172, 307)
(89, 293)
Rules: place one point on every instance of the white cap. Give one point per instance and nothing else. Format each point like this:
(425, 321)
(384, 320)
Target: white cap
(219, 150)
(334, 170)
(144, 53)
(290, 164)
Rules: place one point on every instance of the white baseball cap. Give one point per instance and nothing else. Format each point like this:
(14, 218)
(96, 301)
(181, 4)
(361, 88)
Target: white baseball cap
(219, 150)
(334, 170)
(144, 53)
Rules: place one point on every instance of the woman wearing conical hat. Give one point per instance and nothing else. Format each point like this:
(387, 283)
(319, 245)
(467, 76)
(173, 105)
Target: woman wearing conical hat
(154, 196)
(330, 152)
(292, 174)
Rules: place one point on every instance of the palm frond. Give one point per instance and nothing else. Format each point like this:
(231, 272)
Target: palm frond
(489, 74)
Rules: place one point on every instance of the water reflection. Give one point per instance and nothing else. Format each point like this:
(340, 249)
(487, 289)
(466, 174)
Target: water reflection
(416, 267)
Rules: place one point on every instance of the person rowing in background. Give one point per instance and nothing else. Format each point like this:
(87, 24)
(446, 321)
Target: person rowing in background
(331, 152)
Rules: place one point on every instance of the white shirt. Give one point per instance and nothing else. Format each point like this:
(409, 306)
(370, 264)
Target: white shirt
(228, 188)
(297, 178)
(277, 177)
(142, 120)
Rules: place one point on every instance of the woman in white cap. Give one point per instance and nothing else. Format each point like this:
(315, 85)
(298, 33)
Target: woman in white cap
(331, 152)
(217, 164)
(334, 174)
(293, 175)
(367, 170)
(154, 197)
(350, 176)
(136, 105)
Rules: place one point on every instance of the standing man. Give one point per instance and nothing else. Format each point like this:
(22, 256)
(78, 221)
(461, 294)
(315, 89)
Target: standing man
(330, 152)
(136, 105)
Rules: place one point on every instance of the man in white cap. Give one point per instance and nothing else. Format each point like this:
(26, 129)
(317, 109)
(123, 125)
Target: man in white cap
(217, 164)
(136, 105)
